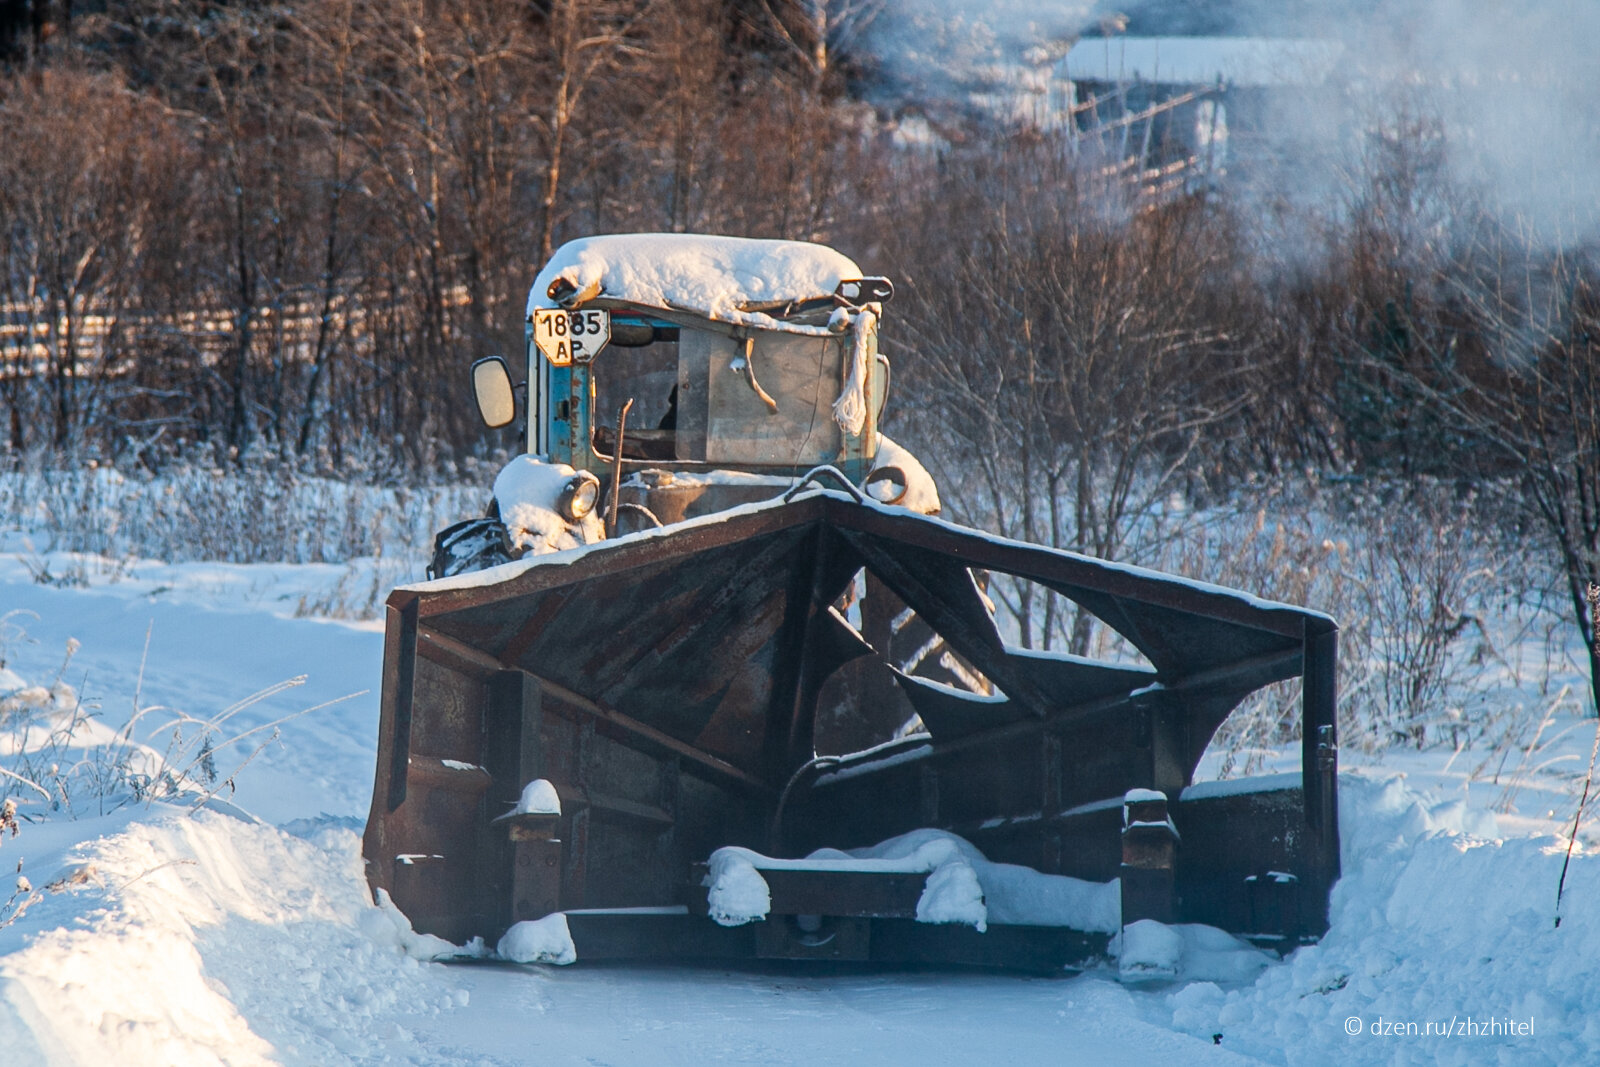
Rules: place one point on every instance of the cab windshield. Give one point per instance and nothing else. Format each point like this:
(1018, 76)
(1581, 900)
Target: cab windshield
(701, 396)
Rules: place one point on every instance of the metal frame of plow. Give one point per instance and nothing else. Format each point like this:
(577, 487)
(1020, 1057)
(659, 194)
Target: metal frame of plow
(666, 684)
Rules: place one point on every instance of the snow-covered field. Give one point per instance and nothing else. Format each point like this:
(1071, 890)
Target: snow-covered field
(242, 933)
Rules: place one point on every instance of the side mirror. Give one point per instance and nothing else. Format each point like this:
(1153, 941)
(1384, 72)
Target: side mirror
(491, 387)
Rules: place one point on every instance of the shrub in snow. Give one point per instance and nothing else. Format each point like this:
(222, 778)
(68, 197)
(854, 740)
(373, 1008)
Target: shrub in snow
(56, 753)
(257, 513)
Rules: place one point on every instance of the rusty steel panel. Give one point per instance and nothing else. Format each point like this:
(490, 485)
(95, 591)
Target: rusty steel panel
(847, 894)
(832, 938)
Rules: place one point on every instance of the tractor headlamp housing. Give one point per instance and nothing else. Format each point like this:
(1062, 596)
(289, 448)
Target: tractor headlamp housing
(578, 496)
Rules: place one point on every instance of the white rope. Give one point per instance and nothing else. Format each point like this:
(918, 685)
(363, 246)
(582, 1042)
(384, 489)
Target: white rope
(850, 410)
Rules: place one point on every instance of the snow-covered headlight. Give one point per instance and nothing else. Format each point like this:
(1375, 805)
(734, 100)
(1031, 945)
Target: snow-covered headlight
(578, 496)
(886, 485)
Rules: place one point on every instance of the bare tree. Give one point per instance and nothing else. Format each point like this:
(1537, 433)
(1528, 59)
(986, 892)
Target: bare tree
(1074, 351)
(78, 184)
(818, 33)
(1508, 365)
(586, 40)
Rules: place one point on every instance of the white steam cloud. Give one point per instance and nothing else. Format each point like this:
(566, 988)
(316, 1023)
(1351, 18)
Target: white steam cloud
(1506, 94)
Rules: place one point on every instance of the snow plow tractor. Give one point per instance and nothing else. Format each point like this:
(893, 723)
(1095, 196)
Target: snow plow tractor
(711, 679)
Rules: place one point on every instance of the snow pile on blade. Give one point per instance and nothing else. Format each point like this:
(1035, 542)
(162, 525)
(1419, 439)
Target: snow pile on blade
(710, 276)
(962, 887)
(737, 894)
(545, 940)
(538, 797)
(1148, 951)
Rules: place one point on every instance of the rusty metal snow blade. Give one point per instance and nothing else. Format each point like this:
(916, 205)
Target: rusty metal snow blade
(668, 685)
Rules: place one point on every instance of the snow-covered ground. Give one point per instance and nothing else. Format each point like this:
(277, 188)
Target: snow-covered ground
(242, 932)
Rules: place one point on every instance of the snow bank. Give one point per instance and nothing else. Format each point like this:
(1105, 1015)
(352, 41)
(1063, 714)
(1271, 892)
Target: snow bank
(231, 667)
(58, 756)
(387, 924)
(1434, 920)
(1213, 955)
(709, 276)
(34, 718)
(206, 940)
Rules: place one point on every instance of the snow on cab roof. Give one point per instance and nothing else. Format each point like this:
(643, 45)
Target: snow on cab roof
(720, 278)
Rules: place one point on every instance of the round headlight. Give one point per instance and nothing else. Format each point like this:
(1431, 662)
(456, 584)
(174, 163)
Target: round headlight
(578, 496)
(886, 485)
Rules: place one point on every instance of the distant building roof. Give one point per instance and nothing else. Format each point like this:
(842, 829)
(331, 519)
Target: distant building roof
(1238, 61)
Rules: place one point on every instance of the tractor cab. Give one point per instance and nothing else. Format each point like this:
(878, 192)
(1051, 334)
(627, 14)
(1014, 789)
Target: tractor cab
(682, 374)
